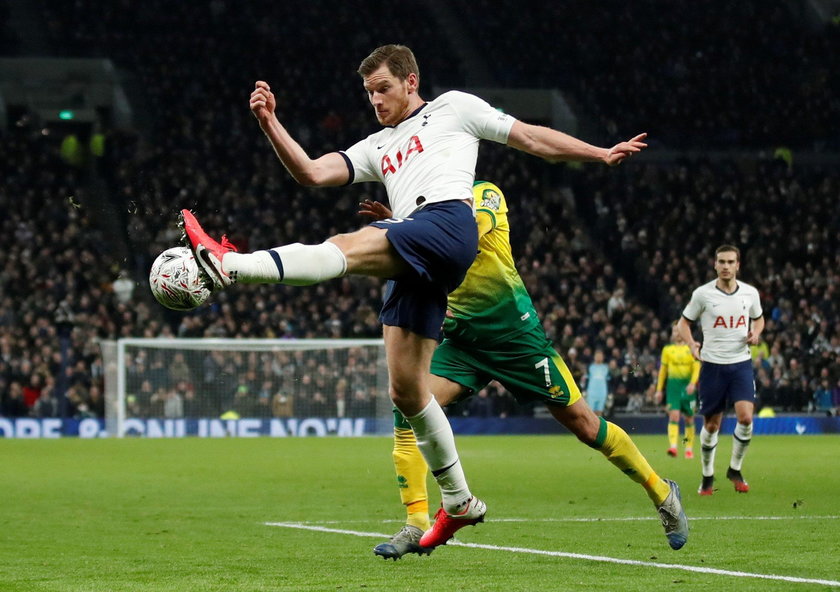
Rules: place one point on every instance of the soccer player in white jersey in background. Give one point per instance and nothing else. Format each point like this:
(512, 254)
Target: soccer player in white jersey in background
(425, 155)
(731, 319)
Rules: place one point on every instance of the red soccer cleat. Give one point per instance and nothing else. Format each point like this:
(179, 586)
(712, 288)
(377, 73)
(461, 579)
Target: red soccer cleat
(689, 454)
(737, 479)
(208, 252)
(446, 525)
(672, 452)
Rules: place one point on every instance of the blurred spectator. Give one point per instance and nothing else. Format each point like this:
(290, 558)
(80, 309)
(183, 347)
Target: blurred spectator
(282, 405)
(173, 404)
(823, 397)
(47, 404)
(13, 404)
(123, 288)
(481, 405)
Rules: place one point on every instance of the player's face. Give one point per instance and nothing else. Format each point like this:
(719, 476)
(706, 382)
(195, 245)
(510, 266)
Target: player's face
(675, 335)
(726, 265)
(389, 95)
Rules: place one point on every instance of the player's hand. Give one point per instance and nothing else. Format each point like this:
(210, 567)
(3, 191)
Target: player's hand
(695, 350)
(618, 153)
(262, 101)
(752, 338)
(689, 390)
(658, 397)
(374, 209)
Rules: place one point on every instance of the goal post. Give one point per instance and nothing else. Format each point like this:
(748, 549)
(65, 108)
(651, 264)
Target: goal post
(214, 387)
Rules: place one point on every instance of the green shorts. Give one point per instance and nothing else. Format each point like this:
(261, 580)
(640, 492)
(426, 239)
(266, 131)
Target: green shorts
(678, 399)
(527, 365)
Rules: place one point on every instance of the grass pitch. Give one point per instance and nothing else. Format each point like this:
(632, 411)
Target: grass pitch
(192, 515)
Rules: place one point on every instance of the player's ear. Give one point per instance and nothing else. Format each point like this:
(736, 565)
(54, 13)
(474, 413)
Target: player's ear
(413, 82)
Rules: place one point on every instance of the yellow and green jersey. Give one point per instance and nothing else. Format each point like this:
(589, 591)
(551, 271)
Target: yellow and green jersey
(677, 363)
(492, 303)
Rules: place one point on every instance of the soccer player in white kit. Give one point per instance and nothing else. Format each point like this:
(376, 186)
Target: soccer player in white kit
(731, 319)
(425, 156)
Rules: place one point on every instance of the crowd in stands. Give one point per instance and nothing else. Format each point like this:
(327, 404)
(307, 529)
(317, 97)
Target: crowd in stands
(346, 382)
(715, 74)
(610, 256)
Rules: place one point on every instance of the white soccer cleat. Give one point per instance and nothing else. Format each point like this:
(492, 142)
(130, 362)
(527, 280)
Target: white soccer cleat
(407, 540)
(673, 517)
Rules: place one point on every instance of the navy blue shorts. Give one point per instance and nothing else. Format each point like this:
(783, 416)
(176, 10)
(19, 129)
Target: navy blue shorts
(439, 242)
(723, 384)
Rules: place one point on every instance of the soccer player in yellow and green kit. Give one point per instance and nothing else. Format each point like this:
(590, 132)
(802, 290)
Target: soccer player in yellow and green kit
(492, 331)
(678, 374)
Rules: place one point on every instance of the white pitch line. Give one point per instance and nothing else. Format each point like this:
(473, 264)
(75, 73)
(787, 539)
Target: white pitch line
(564, 554)
(614, 519)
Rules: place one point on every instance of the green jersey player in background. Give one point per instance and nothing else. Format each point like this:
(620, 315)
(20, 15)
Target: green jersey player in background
(492, 332)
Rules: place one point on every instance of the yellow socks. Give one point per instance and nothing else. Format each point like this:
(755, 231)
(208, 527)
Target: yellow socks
(616, 445)
(673, 433)
(689, 434)
(411, 478)
(420, 519)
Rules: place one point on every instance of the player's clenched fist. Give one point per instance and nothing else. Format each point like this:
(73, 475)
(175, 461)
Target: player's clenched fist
(262, 101)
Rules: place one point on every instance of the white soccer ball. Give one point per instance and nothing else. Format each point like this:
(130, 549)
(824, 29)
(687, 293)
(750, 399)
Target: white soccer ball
(176, 281)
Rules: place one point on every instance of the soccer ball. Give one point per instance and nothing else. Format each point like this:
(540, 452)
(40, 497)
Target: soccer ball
(176, 281)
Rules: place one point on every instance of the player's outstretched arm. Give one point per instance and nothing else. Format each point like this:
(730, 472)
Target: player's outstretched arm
(328, 170)
(553, 145)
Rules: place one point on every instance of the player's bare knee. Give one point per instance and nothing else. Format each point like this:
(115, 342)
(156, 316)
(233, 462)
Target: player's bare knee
(403, 395)
(342, 241)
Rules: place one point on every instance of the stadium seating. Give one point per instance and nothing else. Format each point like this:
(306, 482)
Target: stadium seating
(609, 256)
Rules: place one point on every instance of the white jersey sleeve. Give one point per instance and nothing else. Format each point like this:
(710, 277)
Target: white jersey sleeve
(479, 118)
(695, 306)
(430, 156)
(755, 310)
(358, 159)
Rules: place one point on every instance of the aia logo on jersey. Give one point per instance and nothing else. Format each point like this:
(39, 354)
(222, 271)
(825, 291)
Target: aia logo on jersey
(730, 323)
(387, 163)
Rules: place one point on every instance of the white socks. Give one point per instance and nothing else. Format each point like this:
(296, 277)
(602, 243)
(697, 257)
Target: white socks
(293, 265)
(437, 444)
(740, 441)
(708, 446)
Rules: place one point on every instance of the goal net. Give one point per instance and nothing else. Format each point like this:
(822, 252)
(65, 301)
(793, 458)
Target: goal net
(246, 387)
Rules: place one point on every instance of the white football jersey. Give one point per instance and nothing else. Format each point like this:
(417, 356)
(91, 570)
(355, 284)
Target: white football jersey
(725, 320)
(430, 156)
